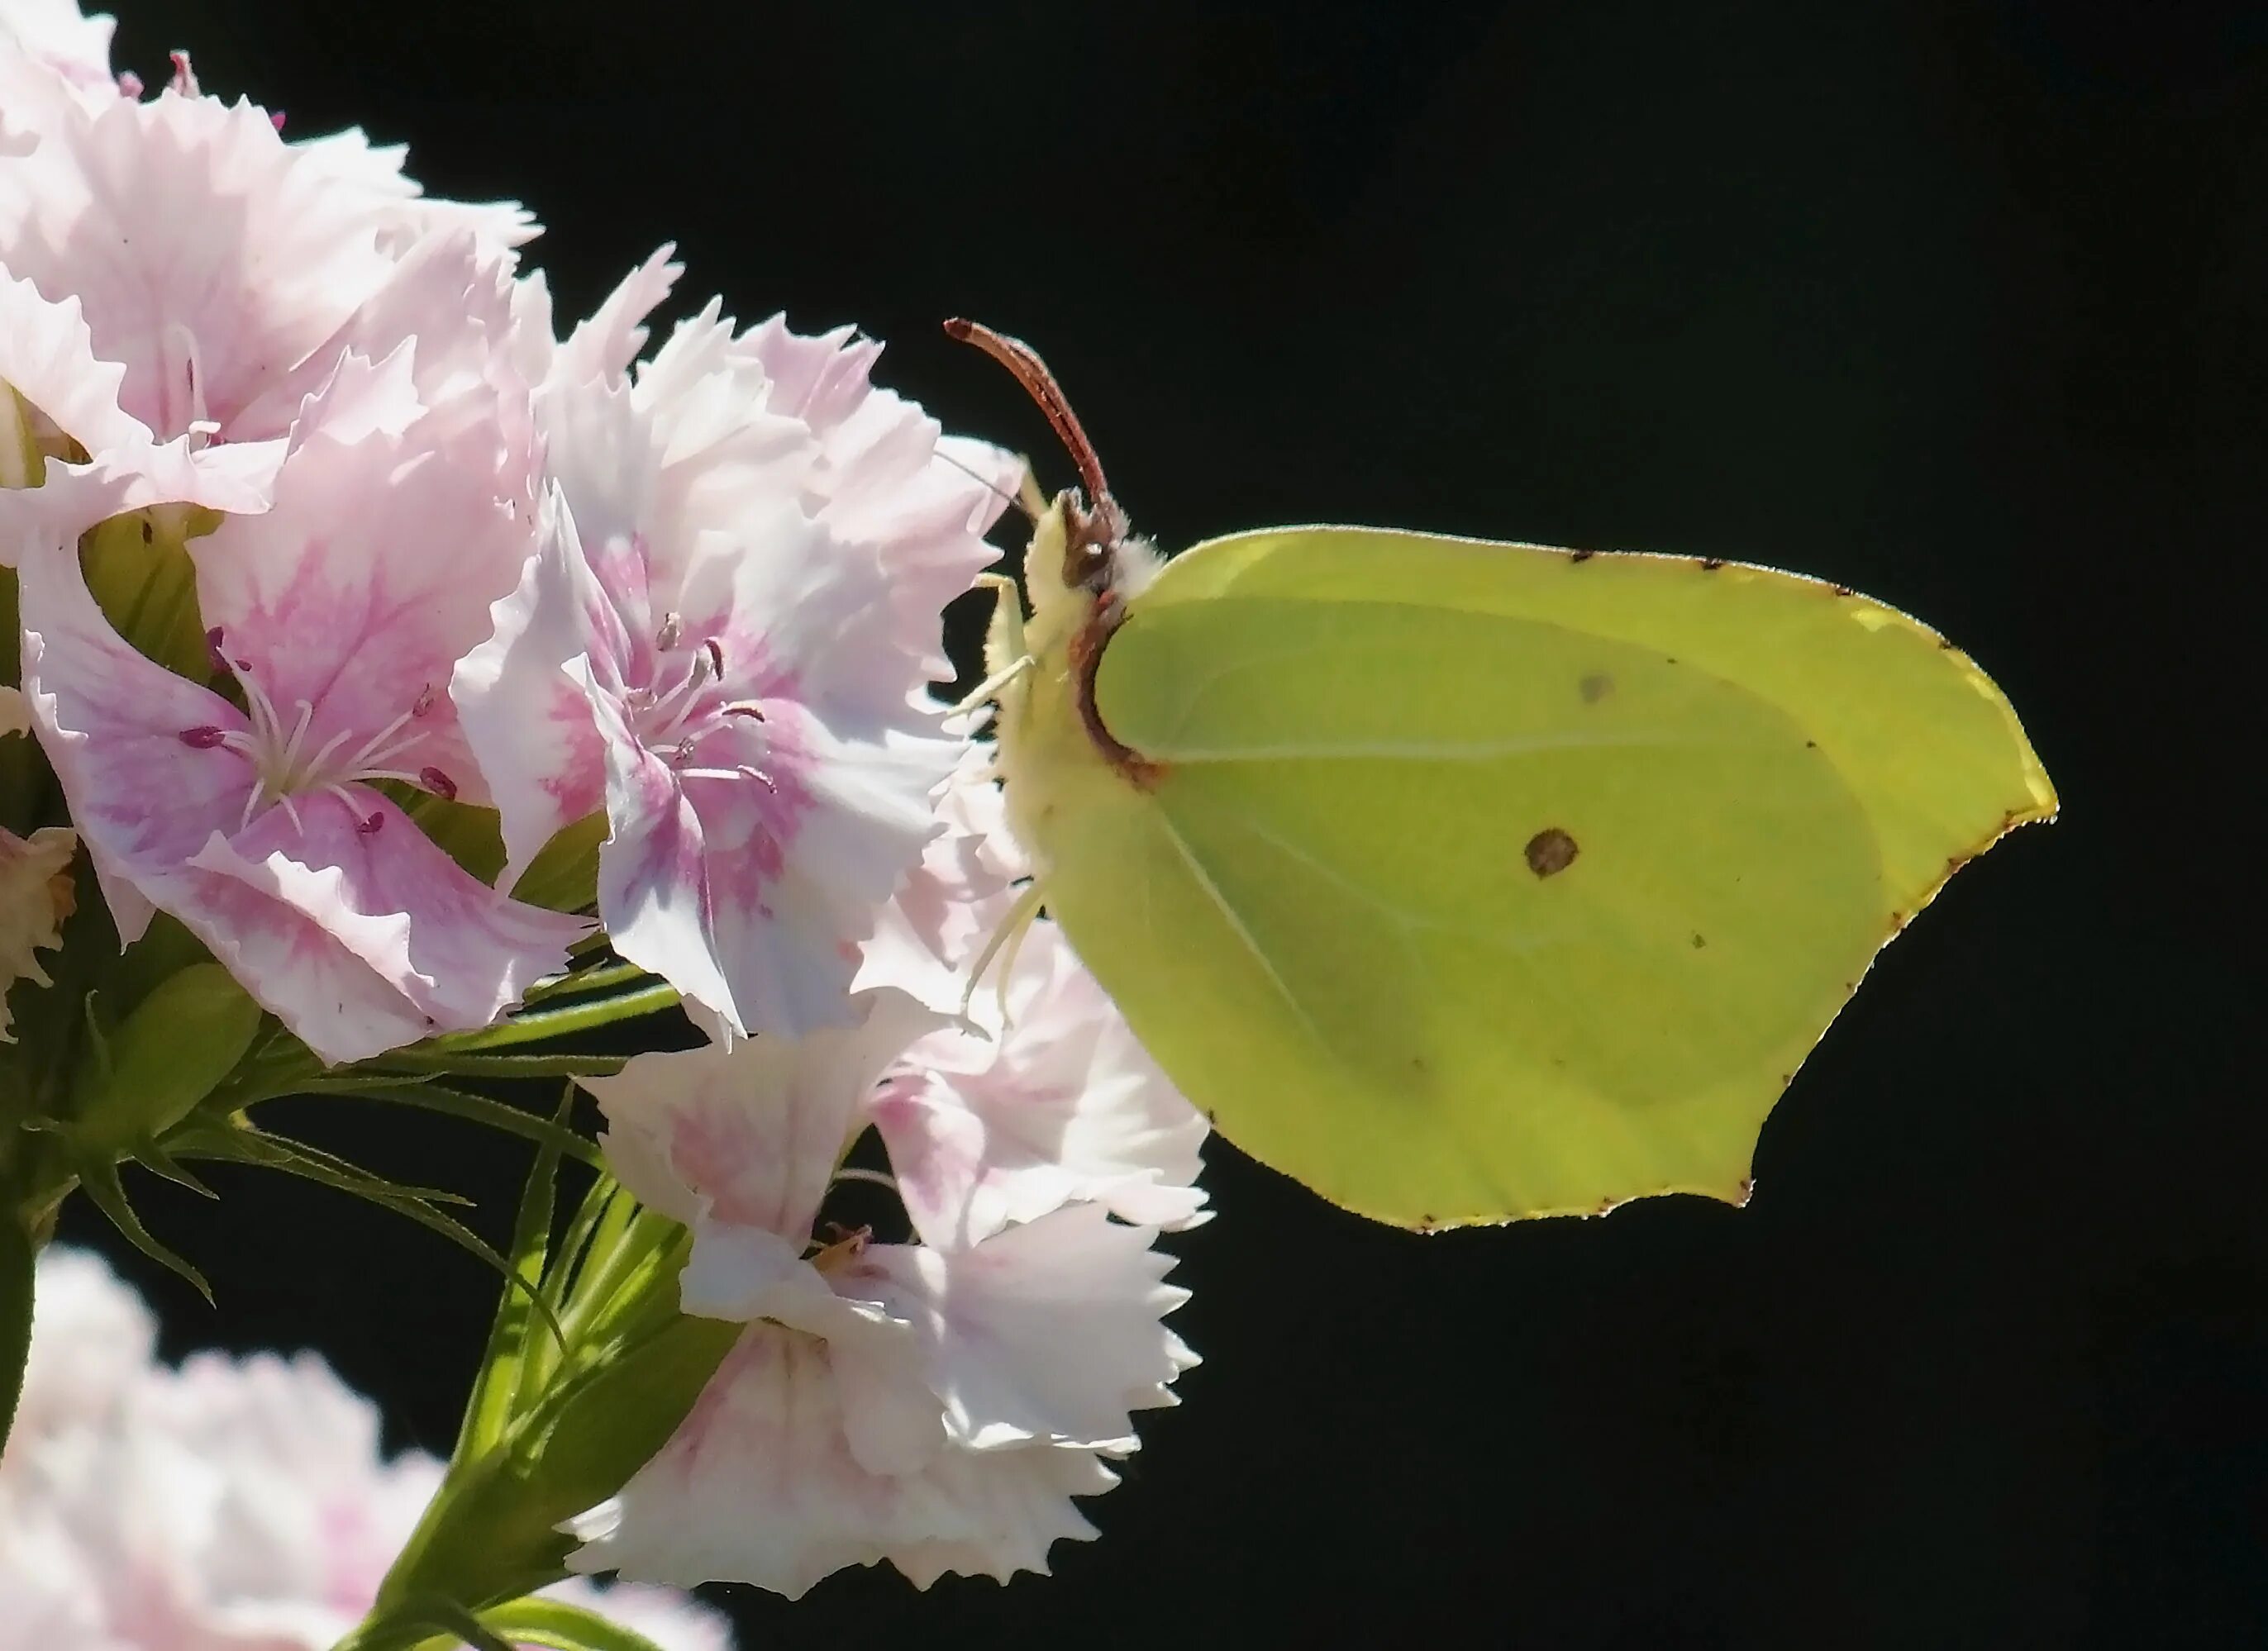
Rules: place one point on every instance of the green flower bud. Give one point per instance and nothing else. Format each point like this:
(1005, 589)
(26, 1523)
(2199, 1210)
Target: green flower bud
(175, 1049)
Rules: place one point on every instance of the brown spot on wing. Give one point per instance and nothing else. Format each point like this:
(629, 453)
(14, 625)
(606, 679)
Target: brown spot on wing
(1596, 687)
(1581, 555)
(1698, 942)
(1550, 851)
(1710, 564)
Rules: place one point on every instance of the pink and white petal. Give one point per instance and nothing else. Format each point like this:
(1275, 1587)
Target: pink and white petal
(957, 1187)
(211, 257)
(448, 301)
(358, 592)
(1060, 1102)
(601, 349)
(47, 355)
(654, 870)
(1022, 1498)
(529, 721)
(741, 1272)
(797, 613)
(799, 876)
(759, 1485)
(49, 50)
(757, 1128)
(887, 476)
(728, 472)
(950, 904)
(819, 377)
(360, 397)
(112, 725)
(406, 212)
(359, 869)
(601, 457)
(303, 972)
(1046, 1332)
(798, 609)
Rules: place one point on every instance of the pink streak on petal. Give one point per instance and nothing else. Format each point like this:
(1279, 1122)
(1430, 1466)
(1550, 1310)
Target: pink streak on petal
(455, 949)
(363, 586)
(111, 721)
(528, 723)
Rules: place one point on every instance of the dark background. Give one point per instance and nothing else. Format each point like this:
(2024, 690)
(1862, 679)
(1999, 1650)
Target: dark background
(1948, 302)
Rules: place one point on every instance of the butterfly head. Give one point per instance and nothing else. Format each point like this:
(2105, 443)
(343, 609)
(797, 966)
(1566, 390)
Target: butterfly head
(1082, 544)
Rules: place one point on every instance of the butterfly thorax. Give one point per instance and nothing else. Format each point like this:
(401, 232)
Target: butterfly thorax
(1080, 569)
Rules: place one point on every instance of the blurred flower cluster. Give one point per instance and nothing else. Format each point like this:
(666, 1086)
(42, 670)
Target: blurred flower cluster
(410, 684)
(223, 1502)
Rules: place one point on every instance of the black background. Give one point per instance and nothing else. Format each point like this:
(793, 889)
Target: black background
(1947, 302)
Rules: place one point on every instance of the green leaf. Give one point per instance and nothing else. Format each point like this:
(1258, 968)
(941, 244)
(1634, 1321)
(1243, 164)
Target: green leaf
(562, 1627)
(567, 1265)
(101, 1184)
(488, 1065)
(490, 1534)
(19, 1263)
(152, 1156)
(489, 1408)
(420, 1622)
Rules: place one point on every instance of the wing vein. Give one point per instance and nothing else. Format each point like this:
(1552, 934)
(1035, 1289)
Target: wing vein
(1414, 751)
(1236, 927)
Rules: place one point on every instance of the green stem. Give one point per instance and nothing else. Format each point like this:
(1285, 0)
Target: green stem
(557, 1022)
(602, 979)
(19, 1263)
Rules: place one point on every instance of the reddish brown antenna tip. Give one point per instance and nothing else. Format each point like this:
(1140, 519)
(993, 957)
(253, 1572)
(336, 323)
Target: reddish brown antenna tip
(1023, 363)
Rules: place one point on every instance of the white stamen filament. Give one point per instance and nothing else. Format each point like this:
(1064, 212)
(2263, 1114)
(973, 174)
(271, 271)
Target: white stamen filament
(283, 770)
(686, 704)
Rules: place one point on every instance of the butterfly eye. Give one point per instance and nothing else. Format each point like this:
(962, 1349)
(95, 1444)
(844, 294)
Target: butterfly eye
(1087, 566)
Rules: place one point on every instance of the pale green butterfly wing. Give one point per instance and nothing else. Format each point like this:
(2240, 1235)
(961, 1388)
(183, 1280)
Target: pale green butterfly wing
(1345, 919)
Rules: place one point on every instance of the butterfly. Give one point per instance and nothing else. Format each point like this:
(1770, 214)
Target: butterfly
(1465, 881)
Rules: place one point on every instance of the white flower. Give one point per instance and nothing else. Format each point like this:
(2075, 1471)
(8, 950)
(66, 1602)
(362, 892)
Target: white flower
(936, 1404)
(229, 1505)
(724, 641)
(1055, 1102)
(92, 1343)
(49, 51)
(185, 278)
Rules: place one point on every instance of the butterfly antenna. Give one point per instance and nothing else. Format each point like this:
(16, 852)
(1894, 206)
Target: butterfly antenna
(1016, 500)
(1023, 363)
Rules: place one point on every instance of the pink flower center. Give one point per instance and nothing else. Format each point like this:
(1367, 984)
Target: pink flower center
(286, 765)
(688, 703)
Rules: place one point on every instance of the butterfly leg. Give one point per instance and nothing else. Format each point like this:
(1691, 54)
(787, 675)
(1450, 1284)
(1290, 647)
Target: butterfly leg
(1008, 933)
(1006, 642)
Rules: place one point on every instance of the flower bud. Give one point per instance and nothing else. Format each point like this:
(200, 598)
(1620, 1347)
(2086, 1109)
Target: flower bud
(170, 1054)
